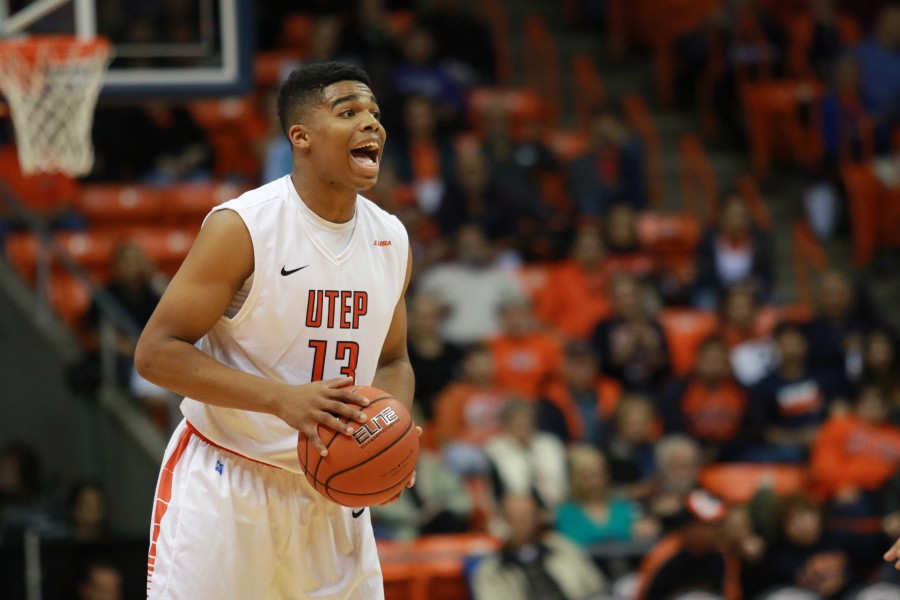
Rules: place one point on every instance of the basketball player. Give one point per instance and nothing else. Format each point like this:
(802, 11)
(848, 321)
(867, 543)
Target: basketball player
(291, 293)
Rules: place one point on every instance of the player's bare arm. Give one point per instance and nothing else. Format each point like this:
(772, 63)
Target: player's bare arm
(195, 300)
(395, 373)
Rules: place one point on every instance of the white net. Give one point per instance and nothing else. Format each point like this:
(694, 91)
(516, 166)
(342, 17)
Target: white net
(51, 84)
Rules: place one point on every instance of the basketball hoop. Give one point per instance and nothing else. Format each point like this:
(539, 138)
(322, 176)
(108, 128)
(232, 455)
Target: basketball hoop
(51, 84)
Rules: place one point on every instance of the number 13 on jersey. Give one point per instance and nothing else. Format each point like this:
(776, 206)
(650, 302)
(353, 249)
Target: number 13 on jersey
(345, 352)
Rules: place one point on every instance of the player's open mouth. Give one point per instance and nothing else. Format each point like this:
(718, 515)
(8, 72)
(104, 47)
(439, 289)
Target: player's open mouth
(366, 155)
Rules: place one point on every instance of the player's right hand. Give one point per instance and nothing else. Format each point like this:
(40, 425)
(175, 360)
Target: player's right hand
(322, 403)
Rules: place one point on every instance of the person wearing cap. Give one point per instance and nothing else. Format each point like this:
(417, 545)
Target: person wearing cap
(692, 558)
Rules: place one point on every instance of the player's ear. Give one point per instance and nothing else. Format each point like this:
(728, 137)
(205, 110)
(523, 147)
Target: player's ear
(299, 136)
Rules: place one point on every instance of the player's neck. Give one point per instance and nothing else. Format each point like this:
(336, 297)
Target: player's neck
(328, 200)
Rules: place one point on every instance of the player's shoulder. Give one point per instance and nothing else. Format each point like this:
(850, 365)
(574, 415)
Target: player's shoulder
(380, 217)
(264, 195)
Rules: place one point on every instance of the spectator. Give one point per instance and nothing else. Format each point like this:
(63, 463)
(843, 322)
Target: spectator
(881, 367)
(880, 70)
(631, 344)
(623, 243)
(843, 468)
(733, 252)
(525, 358)
(467, 413)
(20, 475)
(421, 74)
(472, 288)
(534, 563)
(835, 333)
(741, 534)
(843, 110)
(449, 22)
(421, 153)
(794, 399)
(523, 460)
(100, 581)
(86, 512)
(136, 288)
(474, 196)
(693, 557)
(710, 406)
(368, 38)
(578, 404)
(438, 503)
(630, 448)
(434, 361)
(678, 460)
(613, 170)
(575, 297)
(175, 146)
(808, 556)
(593, 515)
(746, 334)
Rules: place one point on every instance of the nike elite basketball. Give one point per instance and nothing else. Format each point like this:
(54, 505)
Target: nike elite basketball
(373, 464)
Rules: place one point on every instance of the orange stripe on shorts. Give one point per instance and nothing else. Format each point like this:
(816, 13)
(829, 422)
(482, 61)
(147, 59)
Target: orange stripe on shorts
(163, 497)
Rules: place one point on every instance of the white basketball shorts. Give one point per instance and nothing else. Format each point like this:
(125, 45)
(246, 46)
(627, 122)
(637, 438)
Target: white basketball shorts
(226, 527)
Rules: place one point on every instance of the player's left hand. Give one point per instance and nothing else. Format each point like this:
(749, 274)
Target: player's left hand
(894, 554)
(412, 479)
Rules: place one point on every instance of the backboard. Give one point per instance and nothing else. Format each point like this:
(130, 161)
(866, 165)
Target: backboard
(160, 47)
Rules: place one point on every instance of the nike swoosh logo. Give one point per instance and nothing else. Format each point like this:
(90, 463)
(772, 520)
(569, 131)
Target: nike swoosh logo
(357, 513)
(286, 272)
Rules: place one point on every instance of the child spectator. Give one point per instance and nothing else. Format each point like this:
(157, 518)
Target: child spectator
(86, 512)
(693, 558)
(710, 406)
(794, 400)
(467, 413)
(631, 344)
(593, 515)
(525, 358)
(523, 460)
(578, 405)
(808, 556)
(533, 562)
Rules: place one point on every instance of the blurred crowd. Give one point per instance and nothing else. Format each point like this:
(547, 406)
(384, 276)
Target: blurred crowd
(560, 411)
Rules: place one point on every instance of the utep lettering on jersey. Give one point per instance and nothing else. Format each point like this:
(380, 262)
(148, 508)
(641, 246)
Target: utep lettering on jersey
(342, 308)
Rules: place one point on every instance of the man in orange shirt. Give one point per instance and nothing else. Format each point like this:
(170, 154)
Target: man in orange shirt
(575, 298)
(525, 358)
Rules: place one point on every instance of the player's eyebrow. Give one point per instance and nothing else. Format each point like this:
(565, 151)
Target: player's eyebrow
(351, 98)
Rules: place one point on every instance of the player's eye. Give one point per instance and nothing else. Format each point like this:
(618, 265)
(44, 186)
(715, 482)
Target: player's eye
(348, 113)
(377, 115)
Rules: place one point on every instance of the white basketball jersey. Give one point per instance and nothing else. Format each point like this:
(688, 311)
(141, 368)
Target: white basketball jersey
(310, 314)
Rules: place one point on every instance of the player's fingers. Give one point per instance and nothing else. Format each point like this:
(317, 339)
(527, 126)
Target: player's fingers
(419, 430)
(338, 382)
(412, 480)
(348, 411)
(893, 553)
(312, 435)
(348, 397)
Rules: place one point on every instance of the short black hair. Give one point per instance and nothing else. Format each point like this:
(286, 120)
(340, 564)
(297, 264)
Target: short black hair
(306, 84)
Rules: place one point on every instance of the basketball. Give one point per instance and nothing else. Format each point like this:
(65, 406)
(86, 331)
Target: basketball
(373, 464)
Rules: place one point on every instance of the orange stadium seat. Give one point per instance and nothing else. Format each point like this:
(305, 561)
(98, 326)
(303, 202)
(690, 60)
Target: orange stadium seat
(685, 330)
(166, 247)
(269, 64)
(186, 204)
(874, 212)
(69, 298)
(296, 28)
(92, 250)
(109, 203)
(23, 250)
(567, 144)
(665, 233)
(737, 483)
(524, 105)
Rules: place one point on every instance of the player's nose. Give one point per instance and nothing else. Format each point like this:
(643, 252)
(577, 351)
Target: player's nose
(370, 123)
